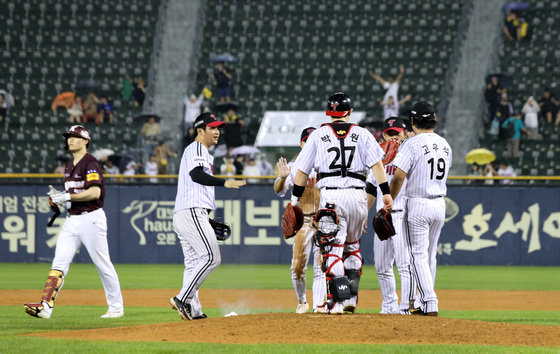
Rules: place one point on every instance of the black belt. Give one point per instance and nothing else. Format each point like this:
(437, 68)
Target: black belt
(310, 214)
(344, 188)
(322, 175)
(435, 197)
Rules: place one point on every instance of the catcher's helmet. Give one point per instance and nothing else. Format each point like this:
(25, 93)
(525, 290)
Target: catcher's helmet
(339, 105)
(77, 131)
(423, 111)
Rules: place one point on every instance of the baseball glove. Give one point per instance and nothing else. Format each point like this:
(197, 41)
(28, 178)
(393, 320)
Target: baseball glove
(390, 147)
(383, 225)
(292, 220)
(222, 230)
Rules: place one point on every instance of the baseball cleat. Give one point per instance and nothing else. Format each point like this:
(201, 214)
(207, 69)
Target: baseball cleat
(40, 310)
(337, 310)
(433, 313)
(320, 309)
(184, 310)
(350, 308)
(201, 317)
(302, 308)
(416, 311)
(111, 314)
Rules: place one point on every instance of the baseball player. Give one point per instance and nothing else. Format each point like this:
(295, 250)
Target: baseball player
(195, 198)
(424, 161)
(341, 153)
(394, 250)
(84, 192)
(303, 240)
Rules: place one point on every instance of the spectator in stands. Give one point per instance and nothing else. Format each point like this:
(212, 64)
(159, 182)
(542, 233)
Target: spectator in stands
(76, 111)
(515, 27)
(106, 110)
(475, 172)
(131, 168)
(139, 92)
(518, 128)
(391, 107)
(531, 110)
(189, 137)
(264, 166)
(549, 107)
(505, 170)
(90, 109)
(162, 153)
(110, 168)
(222, 78)
(504, 107)
(152, 168)
(150, 132)
(391, 85)
(239, 163)
(192, 108)
(251, 169)
(232, 130)
(492, 95)
(61, 165)
(228, 168)
(490, 171)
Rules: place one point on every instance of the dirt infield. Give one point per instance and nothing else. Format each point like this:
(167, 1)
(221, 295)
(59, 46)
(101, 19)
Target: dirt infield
(358, 328)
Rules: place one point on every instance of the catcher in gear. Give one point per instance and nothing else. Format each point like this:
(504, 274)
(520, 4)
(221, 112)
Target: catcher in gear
(303, 246)
(388, 249)
(342, 153)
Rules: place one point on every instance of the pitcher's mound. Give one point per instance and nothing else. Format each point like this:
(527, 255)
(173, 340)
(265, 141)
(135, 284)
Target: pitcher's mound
(328, 329)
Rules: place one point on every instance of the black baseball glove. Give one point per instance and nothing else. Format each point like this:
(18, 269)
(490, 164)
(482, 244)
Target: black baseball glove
(383, 225)
(222, 230)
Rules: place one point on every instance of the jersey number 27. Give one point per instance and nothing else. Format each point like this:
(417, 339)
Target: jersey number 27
(334, 163)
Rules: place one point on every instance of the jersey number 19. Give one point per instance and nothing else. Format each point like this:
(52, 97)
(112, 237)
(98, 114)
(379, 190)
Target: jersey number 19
(440, 166)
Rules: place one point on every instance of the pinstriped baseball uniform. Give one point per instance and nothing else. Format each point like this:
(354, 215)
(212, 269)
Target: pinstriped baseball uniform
(303, 242)
(393, 251)
(322, 152)
(426, 159)
(190, 221)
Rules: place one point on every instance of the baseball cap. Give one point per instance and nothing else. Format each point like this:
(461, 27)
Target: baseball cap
(207, 119)
(305, 133)
(422, 110)
(394, 123)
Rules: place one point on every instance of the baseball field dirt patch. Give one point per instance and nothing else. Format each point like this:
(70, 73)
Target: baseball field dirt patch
(359, 328)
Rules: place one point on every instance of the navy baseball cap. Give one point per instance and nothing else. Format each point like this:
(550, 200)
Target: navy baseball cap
(394, 123)
(305, 134)
(207, 119)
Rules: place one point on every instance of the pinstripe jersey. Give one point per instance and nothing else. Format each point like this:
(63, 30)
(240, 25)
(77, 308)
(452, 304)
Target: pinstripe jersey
(426, 159)
(399, 202)
(189, 193)
(322, 152)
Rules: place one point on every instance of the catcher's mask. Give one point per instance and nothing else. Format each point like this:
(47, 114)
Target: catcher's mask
(326, 224)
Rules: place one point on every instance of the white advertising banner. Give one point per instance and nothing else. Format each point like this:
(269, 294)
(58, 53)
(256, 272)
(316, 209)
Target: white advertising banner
(283, 128)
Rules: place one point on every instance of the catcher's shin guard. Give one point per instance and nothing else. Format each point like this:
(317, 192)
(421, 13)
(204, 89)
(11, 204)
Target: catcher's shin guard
(339, 289)
(354, 280)
(54, 282)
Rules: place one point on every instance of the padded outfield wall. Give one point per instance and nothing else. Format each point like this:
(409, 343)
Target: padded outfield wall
(485, 225)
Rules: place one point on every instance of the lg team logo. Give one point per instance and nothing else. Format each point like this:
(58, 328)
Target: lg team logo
(391, 122)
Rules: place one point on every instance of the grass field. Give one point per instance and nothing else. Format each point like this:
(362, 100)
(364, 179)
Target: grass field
(14, 322)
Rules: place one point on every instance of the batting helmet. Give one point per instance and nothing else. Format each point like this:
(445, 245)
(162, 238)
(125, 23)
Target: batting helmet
(339, 105)
(423, 111)
(76, 131)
